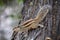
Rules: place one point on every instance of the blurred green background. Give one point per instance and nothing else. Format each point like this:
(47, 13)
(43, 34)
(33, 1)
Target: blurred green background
(10, 15)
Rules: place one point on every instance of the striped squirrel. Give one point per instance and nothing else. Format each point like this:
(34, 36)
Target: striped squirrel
(33, 23)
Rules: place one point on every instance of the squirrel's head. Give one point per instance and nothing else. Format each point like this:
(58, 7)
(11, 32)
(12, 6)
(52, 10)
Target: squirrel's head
(45, 8)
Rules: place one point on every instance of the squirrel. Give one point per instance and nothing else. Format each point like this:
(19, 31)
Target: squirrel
(33, 23)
